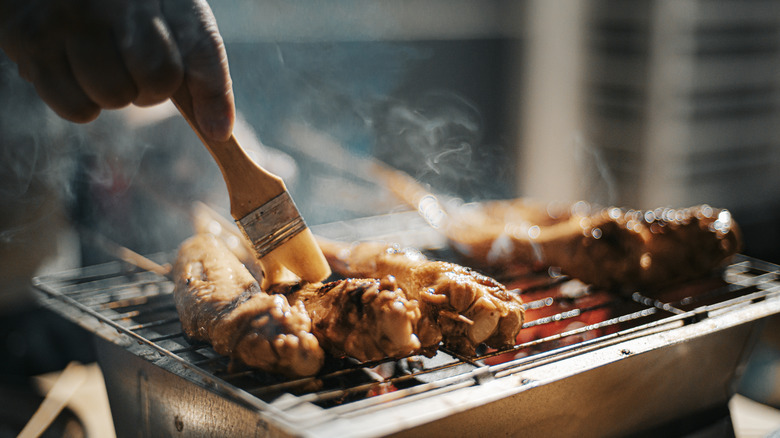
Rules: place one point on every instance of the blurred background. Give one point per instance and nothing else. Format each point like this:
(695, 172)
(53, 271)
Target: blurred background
(643, 104)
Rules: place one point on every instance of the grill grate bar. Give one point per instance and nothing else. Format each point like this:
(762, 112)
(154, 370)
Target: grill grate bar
(425, 389)
(546, 285)
(564, 315)
(208, 361)
(658, 304)
(568, 350)
(149, 310)
(332, 375)
(157, 323)
(610, 322)
(744, 299)
(84, 291)
(190, 349)
(127, 302)
(127, 294)
(283, 386)
(167, 337)
(462, 358)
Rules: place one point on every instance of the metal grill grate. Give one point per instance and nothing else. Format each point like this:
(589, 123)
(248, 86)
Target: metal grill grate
(564, 318)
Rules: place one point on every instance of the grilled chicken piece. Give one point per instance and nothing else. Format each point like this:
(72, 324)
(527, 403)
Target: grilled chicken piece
(459, 306)
(606, 247)
(367, 319)
(219, 302)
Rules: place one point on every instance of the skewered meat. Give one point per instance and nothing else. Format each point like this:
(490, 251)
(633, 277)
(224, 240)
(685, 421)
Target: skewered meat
(367, 319)
(410, 308)
(606, 247)
(219, 302)
(458, 306)
(362, 318)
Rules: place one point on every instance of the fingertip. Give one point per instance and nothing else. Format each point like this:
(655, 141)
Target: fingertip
(89, 117)
(85, 114)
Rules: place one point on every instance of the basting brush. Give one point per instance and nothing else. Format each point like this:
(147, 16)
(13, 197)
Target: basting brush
(262, 208)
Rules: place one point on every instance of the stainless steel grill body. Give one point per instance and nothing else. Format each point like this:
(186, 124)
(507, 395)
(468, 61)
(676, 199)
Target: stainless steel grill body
(649, 363)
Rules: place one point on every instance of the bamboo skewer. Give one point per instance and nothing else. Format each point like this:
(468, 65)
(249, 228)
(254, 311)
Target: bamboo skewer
(127, 255)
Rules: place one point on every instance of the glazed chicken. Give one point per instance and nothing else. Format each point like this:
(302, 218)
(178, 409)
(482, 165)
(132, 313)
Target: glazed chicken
(219, 302)
(458, 306)
(368, 319)
(606, 247)
(395, 304)
(610, 247)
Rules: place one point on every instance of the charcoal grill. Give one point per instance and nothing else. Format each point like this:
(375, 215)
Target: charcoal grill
(610, 367)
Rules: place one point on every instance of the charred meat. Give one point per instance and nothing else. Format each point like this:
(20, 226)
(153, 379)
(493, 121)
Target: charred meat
(609, 247)
(368, 319)
(606, 247)
(458, 306)
(221, 303)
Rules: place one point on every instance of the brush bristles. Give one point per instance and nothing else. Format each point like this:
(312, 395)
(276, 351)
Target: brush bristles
(301, 255)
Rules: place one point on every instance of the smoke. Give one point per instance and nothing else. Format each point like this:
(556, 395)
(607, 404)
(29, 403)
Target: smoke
(436, 137)
(112, 177)
(134, 182)
(36, 170)
(33, 163)
(325, 90)
(597, 182)
(441, 129)
(419, 106)
(334, 87)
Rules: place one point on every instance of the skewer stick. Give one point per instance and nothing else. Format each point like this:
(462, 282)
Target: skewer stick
(456, 317)
(142, 262)
(132, 257)
(431, 207)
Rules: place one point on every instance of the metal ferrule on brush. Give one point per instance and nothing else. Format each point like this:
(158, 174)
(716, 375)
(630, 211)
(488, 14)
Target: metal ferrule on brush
(272, 224)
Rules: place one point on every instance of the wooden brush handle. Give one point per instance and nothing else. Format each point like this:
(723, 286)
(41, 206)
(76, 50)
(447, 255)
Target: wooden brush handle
(249, 185)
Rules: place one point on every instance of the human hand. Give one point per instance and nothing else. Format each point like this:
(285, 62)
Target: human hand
(83, 56)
